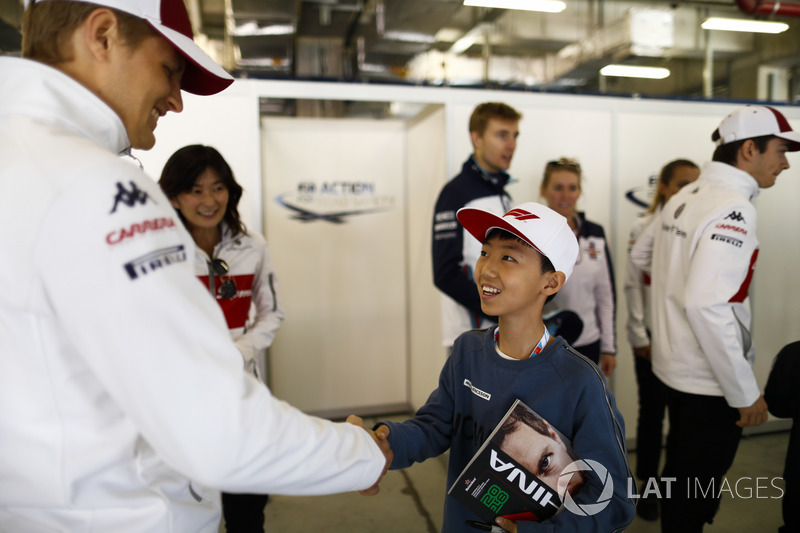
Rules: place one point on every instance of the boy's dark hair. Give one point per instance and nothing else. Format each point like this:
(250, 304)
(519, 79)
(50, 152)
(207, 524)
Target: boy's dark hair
(503, 235)
(483, 112)
(185, 166)
(729, 152)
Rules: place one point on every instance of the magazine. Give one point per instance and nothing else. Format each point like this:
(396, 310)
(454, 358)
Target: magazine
(516, 472)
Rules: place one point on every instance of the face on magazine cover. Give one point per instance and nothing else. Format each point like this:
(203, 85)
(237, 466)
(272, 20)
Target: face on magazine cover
(542, 453)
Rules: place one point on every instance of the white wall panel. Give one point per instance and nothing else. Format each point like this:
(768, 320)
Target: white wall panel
(341, 266)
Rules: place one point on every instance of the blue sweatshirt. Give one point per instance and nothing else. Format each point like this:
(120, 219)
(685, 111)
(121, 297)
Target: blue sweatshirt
(477, 387)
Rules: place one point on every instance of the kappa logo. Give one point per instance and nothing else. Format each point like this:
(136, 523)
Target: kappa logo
(587, 465)
(736, 216)
(521, 214)
(130, 197)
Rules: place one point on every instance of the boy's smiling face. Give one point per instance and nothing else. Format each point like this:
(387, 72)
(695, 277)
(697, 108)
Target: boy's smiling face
(509, 278)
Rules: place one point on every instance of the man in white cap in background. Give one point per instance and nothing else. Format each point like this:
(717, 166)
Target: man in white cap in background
(701, 251)
(124, 405)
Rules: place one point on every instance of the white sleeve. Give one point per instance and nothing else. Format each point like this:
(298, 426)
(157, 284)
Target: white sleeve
(718, 279)
(158, 344)
(635, 288)
(604, 297)
(642, 252)
(269, 311)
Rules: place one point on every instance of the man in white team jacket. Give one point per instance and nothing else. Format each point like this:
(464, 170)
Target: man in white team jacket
(124, 405)
(704, 249)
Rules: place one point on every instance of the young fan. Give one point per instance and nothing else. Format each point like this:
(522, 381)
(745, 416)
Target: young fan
(527, 256)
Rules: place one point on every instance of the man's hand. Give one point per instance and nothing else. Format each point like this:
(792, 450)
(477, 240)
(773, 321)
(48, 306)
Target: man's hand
(755, 415)
(608, 362)
(643, 352)
(381, 439)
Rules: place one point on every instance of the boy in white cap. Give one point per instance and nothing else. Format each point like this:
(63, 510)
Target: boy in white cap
(125, 405)
(527, 256)
(701, 252)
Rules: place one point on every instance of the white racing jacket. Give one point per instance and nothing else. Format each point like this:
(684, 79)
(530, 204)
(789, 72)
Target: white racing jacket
(701, 251)
(121, 393)
(251, 270)
(637, 291)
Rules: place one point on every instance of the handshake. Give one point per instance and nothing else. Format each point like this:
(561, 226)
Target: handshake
(380, 435)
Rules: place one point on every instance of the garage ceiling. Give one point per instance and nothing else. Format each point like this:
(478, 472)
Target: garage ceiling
(411, 41)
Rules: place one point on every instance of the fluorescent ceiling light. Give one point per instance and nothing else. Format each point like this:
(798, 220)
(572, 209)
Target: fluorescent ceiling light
(409, 37)
(250, 29)
(469, 38)
(755, 26)
(547, 6)
(632, 71)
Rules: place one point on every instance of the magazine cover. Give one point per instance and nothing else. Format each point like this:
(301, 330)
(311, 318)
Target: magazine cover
(515, 473)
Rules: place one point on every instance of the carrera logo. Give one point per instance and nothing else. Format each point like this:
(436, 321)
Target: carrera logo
(141, 266)
(140, 228)
(736, 216)
(731, 227)
(724, 238)
(521, 214)
(130, 197)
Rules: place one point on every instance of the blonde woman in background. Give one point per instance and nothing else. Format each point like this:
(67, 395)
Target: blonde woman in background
(590, 290)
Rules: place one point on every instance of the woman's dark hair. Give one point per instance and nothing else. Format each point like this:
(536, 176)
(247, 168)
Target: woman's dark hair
(185, 166)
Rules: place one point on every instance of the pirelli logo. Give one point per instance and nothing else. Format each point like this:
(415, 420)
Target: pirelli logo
(724, 238)
(141, 266)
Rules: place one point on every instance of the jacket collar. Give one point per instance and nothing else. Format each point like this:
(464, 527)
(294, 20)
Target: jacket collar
(47, 94)
(730, 177)
(498, 179)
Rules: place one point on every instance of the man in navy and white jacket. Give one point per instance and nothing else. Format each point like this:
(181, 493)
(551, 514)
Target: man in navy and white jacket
(701, 251)
(493, 130)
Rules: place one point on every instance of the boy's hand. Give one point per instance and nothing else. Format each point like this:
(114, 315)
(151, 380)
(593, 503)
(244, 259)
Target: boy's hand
(608, 362)
(506, 524)
(381, 439)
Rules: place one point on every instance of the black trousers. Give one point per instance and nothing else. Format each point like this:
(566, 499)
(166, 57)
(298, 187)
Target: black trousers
(650, 422)
(701, 445)
(244, 513)
(592, 351)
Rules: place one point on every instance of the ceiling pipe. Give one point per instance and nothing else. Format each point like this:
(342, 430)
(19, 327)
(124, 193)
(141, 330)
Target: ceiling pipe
(768, 7)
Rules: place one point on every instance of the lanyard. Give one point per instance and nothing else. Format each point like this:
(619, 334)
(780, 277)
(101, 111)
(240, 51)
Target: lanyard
(539, 347)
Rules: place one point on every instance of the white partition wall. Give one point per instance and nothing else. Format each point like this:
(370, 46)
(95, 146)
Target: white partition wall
(334, 206)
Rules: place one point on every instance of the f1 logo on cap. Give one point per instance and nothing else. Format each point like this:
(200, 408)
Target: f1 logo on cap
(520, 214)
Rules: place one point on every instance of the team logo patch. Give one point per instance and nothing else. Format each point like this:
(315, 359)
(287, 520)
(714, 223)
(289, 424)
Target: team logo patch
(521, 214)
(141, 266)
(130, 197)
(728, 240)
(731, 227)
(736, 216)
(476, 391)
(139, 228)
